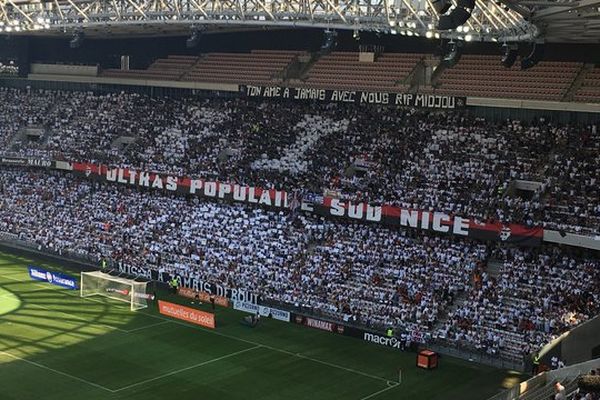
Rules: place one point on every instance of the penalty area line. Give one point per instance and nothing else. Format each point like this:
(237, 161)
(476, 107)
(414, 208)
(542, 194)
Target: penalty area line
(147, 326)
(377, 393)
(187, 368)
(298, 355)
(176, 322)
(56, 371)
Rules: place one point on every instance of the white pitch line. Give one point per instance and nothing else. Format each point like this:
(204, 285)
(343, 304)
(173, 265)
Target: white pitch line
(270, 348)
(240, 340)
(379, 392)
(147, 326)
(186, 369)
(56, 371)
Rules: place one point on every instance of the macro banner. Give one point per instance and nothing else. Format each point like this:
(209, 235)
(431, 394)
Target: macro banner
(403, 343)
(202, 296)
(187, 314)
(427, 220)
(382, 340)
(26, 162)
(360, 333)
(418, 100)
(264, 311)
(329, 207)
(55, 278)
(193, 284)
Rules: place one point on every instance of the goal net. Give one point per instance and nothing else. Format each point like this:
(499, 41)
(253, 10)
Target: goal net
(97, 283)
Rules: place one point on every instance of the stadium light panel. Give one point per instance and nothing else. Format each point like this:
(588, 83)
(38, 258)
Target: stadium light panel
(453, 54)
(536, 55)
(77, 40)
(468, 4)
(441, 6)
(329, 42)
(510, 55)
(192, 41)
(457, 17)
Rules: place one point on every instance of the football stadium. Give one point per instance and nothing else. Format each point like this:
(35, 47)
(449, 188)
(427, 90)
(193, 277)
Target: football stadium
(300, 199)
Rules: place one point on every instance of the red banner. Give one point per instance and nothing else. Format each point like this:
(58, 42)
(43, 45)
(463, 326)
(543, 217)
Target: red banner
(428, 220)
(187, 314)
(329, 206)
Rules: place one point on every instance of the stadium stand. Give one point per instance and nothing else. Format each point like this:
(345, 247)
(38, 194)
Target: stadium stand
(513, 313)
(573, 193)
(171, 68)
(362, 274)
(493, 300)
(590, 88)
(303, 222)
(257, 67)
(439, 160)
(343, 70)
(474, 75)
(484, 76)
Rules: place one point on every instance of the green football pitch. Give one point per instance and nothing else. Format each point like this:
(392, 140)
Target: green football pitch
(55, 345)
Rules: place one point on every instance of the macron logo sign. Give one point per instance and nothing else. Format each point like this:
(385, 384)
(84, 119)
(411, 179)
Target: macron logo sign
(382, 340)
(52, 277)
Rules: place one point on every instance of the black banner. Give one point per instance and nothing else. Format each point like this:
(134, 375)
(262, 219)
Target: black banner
(427, 220)
(418, 100)
(326, 326)
(191, 283)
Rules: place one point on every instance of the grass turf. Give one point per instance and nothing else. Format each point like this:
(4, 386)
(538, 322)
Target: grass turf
(57, 346)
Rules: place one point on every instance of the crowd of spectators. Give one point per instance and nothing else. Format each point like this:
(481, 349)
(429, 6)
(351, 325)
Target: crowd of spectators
(536, 296)
(442, 160)
(8, 68)
(369, 275)
(361, 274)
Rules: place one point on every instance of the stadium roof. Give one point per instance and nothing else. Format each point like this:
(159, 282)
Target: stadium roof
(491, 20)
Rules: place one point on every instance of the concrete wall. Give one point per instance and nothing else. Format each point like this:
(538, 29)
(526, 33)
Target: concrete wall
(221, 87)
(60, 69)
(533, 104)
(572, 239)
(578, 344)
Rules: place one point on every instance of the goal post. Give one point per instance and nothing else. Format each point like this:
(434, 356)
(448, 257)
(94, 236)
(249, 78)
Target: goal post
(98, 283)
